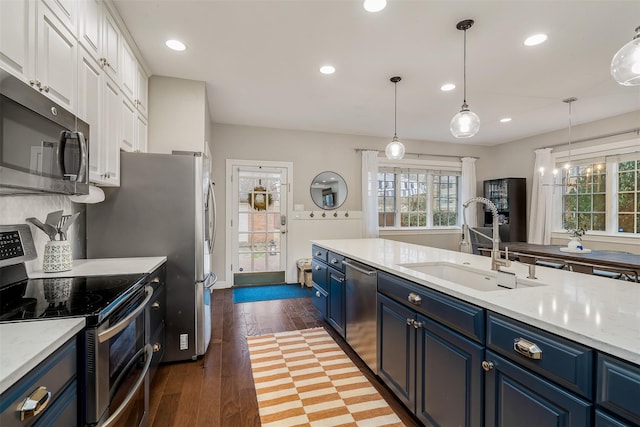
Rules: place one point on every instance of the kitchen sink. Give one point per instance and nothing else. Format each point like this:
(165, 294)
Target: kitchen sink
(472, 278)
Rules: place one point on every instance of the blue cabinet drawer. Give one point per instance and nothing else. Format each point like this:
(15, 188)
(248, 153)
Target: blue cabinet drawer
(319, 274)
(319, 253)
(54, 373)
(606, 420)
(563, 361)
(618, 387)
(335, 260)
(463, 317)
(319, 300)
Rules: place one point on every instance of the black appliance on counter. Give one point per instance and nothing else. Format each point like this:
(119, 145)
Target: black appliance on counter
(114, 347)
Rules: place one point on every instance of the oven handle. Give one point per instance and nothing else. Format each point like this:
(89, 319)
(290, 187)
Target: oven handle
(140, 381)
(112, 331)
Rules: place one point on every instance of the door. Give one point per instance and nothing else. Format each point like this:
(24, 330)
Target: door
(259, 223)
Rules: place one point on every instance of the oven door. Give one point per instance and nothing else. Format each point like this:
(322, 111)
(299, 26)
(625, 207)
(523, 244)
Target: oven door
(118, 362)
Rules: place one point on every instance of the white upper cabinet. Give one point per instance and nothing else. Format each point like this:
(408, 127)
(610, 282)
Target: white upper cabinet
(111, 131)
(17, 37)
(90, 27)
(56, 49)
(111, 39)
(128, 141)
(67, 12)
(90, 81)
(142, 84)
(129, 67)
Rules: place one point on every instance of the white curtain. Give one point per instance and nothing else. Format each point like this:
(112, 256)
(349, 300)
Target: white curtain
(468, 188)
(369, 194)
(541, 199)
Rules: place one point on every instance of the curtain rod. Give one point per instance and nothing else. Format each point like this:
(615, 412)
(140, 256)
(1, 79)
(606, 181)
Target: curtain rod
(419, 154)
(593, 138)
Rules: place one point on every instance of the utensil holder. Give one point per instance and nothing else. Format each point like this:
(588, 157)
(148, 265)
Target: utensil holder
(57, 256)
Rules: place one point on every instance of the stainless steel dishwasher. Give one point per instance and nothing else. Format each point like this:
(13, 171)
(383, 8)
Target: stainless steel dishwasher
(361, 311)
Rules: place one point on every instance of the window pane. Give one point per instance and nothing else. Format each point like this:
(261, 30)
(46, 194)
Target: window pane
(626, 181)
(599, 222)
(585, 194)
(599, 202)
(625, 223)
(625, 202)
(625, 166)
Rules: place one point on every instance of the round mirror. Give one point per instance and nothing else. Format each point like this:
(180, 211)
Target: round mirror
(328, 190)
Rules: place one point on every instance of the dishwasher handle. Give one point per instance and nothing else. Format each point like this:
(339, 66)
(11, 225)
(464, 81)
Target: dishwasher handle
(357, 267)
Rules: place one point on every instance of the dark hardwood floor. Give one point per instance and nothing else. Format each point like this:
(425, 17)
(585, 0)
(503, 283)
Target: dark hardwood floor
(217, 390)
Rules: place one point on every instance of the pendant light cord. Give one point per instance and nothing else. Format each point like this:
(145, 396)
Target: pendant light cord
(395, 110)
(464, 68)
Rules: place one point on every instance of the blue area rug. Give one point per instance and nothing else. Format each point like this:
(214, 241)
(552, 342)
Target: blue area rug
(269, 292)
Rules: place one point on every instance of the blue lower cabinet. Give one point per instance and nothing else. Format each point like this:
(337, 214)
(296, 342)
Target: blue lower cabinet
(517, 397)
(64, 411)
(449, 377)
(618, 388)
(605, 420)
(396, 349)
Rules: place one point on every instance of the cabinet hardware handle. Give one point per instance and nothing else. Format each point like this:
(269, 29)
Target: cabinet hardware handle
(35, 403)
(318, 253)
(318, 268)
(340, 279)
(410, 321)
(417, 325)
(155, 305)
(155, 280)
(487, 366)
(318, 294)
(45, 89)
(527, 348)
(334, 261)
(414, 298)
(157, 347)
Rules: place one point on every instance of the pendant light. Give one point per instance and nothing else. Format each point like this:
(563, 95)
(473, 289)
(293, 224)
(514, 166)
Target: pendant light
(625, 66)
(395, 149)
(466, 123)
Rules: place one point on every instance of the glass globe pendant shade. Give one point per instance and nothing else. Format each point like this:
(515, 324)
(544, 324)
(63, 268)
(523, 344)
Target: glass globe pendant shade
(625, 66)
(395, 149)
(465, 124)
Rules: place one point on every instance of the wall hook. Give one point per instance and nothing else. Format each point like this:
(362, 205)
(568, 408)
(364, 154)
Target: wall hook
(311, 214)
(324, 214)
(346, 214)
(335, 214)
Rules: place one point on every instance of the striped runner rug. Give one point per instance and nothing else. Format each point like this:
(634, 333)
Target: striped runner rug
(303, 378)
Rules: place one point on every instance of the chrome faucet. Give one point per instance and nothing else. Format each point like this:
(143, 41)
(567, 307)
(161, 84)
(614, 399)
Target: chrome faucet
(496, 260)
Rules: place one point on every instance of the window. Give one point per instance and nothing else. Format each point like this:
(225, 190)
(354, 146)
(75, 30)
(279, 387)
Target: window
(601, 190)
(417, 198)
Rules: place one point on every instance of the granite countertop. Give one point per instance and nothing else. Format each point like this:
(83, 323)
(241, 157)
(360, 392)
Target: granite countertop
(23, 345)
(600, 313)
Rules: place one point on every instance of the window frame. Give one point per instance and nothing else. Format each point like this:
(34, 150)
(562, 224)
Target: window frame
(610, 154)
(431, 167)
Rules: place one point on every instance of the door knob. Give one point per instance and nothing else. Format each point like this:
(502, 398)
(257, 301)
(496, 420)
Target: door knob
(487, 366)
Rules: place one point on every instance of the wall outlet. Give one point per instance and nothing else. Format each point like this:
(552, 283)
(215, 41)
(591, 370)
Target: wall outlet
(184, 341)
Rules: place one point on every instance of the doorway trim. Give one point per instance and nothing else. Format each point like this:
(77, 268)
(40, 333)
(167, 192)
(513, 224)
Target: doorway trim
(231, 164)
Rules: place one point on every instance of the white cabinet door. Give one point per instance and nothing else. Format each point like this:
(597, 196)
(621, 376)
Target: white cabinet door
(142, 86)
(111, 126)
(128, 141)
(17, 37)
(56, 60)
(110, 46)
(90, 27)
(90, 81)
(66, 11)
(141, 134)
(129, 72)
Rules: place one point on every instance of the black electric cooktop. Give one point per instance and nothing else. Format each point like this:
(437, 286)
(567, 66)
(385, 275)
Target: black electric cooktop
(92, 297)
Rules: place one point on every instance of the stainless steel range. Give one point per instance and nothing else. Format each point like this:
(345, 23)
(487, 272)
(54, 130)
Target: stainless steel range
(113, 346)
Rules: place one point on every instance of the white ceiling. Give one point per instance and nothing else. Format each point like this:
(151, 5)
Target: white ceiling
(260, 61)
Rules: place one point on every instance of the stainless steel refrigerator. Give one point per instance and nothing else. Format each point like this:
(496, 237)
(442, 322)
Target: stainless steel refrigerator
(165, 206)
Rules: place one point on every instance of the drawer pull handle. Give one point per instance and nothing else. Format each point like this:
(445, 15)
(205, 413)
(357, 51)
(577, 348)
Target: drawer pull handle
(318, 294)
(155, 280)
(35, 403)
(410, 321)
(527, 348)
(155, 305)
(414, 298)
(487, 366)
(157, 347)
(417, 325)
(334, 261)
(318, 253)
(318, 268)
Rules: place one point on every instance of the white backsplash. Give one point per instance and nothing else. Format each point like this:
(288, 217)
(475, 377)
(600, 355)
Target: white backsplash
(15, 209)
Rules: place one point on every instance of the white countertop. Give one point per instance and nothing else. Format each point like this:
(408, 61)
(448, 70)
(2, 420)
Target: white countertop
(25, 344)
(105, 267)
(601, 313)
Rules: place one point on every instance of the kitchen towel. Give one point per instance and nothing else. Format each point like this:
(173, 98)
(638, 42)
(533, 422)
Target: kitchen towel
(303, 378)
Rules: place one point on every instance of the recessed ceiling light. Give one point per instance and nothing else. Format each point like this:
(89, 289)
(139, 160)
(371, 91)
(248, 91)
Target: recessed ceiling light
(327, 69)
(175, 45)
(374, 5)
(505, 120)
(535, 39)
(447, 87)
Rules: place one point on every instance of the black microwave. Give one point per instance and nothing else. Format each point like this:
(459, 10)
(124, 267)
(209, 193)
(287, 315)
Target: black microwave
(43, 147)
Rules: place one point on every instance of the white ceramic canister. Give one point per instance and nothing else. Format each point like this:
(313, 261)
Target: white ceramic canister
(57, 256)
